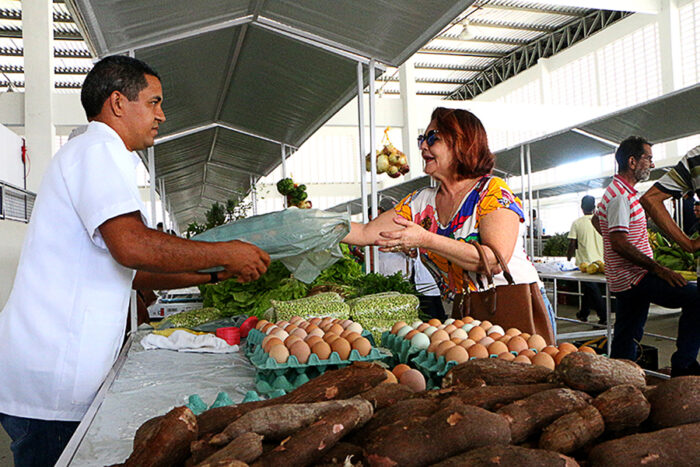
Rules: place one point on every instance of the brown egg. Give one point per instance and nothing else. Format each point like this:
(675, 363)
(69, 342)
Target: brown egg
(362, 346)
(299, 333)
(279, 353)
(290, 340)
(432, 348)
(585, 348)
(442, 326)
(505, 339)
(536, 342)
(458, 323)
(486, 325)
(281, 333)
(390, 378)
(260, 324)
(422, 327)
(342, 347)
(395, 328)
(330, 337)
(517, 344)
(507, 356)
(456, 340)
(311, 327)
(315, 332)
(352, 336)
(315, 321)
(495, 335)
(304, 325)
(459, 333)
(497, 348)
(543, 359)
(444, 347)
(513, 332)
(327, 319)
(301, 351)
(439, 335)
(268, 327)
(551, 350)
(522, 359)
(478, 351)
(529, 353)
(476, 333)
(410, 335)
(568, 347)
(269, 341)
(457, 354)
(560, 356)
(295, 319)
(466, 343)
(434, 322)
(325, 326)
(525, 335)
(467, 320)
(486, 341)
(345, 323)
(322, 349)
(336, 328)
(450, 328)
(290, 328)
(282, 324)
(399, 369)
(414, 379)
(311, 340)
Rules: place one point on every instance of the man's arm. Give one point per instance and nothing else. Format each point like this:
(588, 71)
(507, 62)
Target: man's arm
(653, 203)
(135, 246)
(622, 246)
(571, 251)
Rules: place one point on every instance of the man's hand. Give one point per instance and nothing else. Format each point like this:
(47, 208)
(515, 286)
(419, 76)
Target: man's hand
(670, 276)
(244, 261)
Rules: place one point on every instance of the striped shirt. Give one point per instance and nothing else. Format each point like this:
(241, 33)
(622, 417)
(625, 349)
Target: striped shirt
(684, 177)
(620, 211)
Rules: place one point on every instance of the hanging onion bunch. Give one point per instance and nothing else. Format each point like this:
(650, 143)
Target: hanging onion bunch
(390, 161)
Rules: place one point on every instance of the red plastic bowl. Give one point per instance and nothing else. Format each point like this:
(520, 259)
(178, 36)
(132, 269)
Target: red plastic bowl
(248, 325)
(232, 336)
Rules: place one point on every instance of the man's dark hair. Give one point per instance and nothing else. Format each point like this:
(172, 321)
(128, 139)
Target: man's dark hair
(632, 146)
(114, 73)
(588, 204)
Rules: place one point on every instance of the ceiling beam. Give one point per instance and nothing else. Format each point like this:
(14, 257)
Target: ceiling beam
(486, 40)
(12, 32)
(524, 9)
(434, 66)
(14, 14)
(57, 53)
(511, 26)
(17, 69)
(635, 6)
(460, 53)
(57, 84)
(456, 81)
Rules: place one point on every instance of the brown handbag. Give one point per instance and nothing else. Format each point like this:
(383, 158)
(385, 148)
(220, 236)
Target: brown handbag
(514, 305)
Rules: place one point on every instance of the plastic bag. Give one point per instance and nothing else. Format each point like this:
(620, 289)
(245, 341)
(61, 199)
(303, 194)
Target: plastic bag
(304, 240)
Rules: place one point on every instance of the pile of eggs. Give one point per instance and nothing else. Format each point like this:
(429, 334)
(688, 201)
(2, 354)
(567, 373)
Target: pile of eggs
(321, 336)
(462, 340)
(404, 374)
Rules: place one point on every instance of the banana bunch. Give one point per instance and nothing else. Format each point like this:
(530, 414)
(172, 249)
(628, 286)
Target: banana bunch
(673, 257)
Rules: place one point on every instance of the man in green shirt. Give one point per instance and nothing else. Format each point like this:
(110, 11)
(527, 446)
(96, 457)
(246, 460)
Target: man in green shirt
(587, 244)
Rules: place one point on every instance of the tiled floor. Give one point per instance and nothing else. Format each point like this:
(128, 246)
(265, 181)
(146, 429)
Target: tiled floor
(661, 321)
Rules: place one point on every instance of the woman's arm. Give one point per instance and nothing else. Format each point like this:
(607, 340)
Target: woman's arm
(368, 234)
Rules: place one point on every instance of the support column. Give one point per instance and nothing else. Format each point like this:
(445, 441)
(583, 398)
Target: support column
(670, 52)
(39, 130)
(152, 184)
(545, 81)
(409, 132)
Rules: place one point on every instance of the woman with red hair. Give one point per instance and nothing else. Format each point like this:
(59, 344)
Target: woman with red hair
(467, 204)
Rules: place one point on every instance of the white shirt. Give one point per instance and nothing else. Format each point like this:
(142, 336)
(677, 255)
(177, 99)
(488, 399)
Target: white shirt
(63, 324)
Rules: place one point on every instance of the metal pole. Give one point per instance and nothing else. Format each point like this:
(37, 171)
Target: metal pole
(522, 193)
(363, 151)
(372, 151)
(162, 203)
(528, 158)
(539, 231)
(253, 196)
(152, 183)
(284, 171)
(608, 322)
(173, 223)
(133, 316)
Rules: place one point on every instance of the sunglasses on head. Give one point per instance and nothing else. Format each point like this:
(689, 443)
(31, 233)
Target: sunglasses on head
(429, 138)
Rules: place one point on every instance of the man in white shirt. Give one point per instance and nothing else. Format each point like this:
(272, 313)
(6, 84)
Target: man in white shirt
(86, 246)
(586, 243)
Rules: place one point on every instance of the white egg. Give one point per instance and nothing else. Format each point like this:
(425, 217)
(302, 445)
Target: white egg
(468, 327)
(476, 322)
(496, 328)
(429, 330)
(356, 327)
(404, 330)
(449, 321)
(416, 324)
(420, 341)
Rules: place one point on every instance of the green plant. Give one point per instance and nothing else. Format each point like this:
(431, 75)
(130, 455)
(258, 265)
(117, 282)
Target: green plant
(556, 245)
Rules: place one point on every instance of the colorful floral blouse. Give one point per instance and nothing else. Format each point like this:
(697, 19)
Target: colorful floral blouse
(488, 195)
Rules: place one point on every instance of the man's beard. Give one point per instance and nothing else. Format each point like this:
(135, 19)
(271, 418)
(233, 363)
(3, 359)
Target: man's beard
(642, 175)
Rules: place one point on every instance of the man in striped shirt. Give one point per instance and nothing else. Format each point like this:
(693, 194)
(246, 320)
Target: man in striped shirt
(630, 269)
(682, 179)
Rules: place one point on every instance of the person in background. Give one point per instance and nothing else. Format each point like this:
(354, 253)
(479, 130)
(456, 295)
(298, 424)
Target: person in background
(87, 245)
(468, 204)
(696, 217)
(630, 269)
(586, 243)
(159, 226)
(536, 225)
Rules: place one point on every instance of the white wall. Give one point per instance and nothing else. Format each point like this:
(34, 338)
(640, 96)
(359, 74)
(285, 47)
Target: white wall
(11, 169)
(11, 238)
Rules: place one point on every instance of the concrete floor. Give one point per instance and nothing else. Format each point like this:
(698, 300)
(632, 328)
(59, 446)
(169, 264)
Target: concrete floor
(661, 321)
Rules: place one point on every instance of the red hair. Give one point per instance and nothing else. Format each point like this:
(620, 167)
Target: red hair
(464, 134)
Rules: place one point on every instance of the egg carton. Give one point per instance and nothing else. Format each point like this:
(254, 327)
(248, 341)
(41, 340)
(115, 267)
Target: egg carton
(255, 338)
(435, 367)
(262, 360)
(401, 348)
(275, 383)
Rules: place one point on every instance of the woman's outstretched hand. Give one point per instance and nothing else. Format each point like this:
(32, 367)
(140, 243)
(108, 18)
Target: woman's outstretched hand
(411, 236)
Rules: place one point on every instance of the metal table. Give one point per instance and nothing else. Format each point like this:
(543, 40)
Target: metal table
(146, 383)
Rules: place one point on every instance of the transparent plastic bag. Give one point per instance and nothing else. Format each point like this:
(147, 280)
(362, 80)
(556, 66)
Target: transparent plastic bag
(304, 240)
